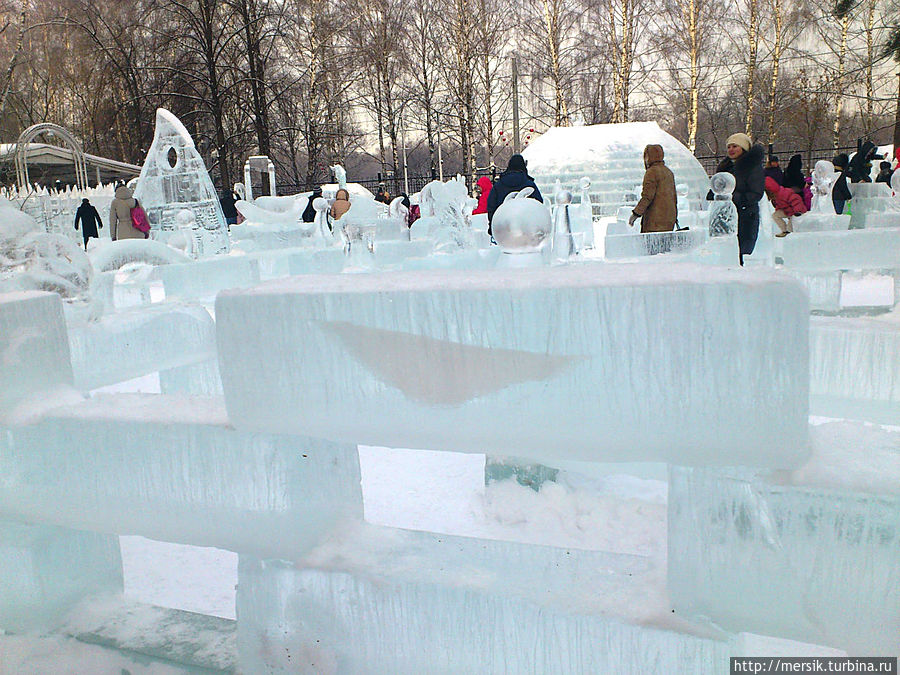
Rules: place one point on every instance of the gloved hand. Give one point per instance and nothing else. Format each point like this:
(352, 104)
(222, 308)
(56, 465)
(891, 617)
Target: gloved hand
(633, 218)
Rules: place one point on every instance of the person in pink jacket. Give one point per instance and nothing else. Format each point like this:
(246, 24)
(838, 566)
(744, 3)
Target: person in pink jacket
(787, 204)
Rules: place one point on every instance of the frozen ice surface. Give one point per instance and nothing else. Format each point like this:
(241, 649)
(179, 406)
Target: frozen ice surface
(818, 563)
(395, 252)
(115, 254)
(480, 361)
(653, 243)
(205, 278)
(421, 603)
(480, 259)
(198, 379)
(611, 156)
(855, 368)
(46, 570)
(326, 261)
(820, 222)
(172, 468)
(854, 249)
(174, 178)
(126, 345)
(34, 350)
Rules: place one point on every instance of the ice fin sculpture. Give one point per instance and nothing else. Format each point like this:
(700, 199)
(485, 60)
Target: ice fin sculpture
(173, 178)
(722, 212)
(340, 175)
(823, 179)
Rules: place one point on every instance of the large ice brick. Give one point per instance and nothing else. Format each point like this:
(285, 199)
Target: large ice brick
(171, 468)
(126, 345)
(653, 243)
(44, 571)
(591, 363)
(34, 349)
(799, 558)
(205, 278)
(419, 604)
(855, 368)
(853, 249)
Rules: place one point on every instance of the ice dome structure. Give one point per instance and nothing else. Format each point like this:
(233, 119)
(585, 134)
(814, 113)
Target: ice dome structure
(612, 156)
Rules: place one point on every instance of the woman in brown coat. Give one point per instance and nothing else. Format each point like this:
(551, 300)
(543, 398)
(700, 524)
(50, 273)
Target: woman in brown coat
(341, 204)
(658, 207)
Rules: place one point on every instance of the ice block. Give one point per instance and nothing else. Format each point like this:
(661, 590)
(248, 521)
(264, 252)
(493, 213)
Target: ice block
(171, 468)
(653, 243)
(579, 362)
(205, 278)
(853, 249)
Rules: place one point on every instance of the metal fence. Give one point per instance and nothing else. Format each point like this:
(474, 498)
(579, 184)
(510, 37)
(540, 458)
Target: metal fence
(810, 157)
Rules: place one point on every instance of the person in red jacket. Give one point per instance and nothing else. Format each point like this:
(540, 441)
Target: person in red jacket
(787, 204)
(483, 189)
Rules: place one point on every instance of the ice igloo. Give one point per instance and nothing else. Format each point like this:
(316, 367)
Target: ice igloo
(174, 178)
(612, 156)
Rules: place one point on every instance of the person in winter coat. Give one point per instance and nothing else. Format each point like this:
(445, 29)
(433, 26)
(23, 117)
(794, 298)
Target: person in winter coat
(515, 178)
(773, 170)
(120, 226)
(787, 204)
(841, 194)
(89, 218)
(796, 181)
(341, 204)
(227, 201)
(483, 190)
(859, 168)
(309, 213)
(744, 162)
(658, 206)
(885, 173)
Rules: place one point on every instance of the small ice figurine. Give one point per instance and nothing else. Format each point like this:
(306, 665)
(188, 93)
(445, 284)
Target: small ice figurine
(561, 243)
(723, 216)
(823, 179)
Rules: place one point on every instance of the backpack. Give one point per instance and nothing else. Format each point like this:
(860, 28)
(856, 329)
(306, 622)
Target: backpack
(139, 219)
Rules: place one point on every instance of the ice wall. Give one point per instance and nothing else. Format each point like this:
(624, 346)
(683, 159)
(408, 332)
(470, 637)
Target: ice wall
(171, 468)
(576, 363)
(417, 603)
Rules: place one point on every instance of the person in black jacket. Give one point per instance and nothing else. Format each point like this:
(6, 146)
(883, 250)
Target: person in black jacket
(840, 194)
(745, 163)
(309, 213)
(859, 168)
(884, 173)
(89, 218)
(227, 201)
(515, 178)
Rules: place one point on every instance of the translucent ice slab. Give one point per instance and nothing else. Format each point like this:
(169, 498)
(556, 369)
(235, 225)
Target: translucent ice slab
(855, 368)
(130, 344)
(759, 553)
(327, 261)
(577, 362)
(272, 239)
(883, 219)
(393, 252)
(820, 222)
(479, 259)
(45, 570)
(653, 243)
(854, 249)
(205, 278)
(388, 601)
(172, 468)
(34, 351)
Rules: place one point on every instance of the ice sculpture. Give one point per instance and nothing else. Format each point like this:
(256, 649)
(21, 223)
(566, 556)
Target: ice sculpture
(446, 219)
(284, 211)
(173, 178)
(823, 180)
(340, 175)
(586, 212)
(116, 254)
(521, 225)
(563, 243)
(477, 361)
(723, 216)
(611, 156)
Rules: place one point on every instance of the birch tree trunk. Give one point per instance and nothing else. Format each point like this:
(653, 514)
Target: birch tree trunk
(778, 20)
(753, 44)
(839, 82)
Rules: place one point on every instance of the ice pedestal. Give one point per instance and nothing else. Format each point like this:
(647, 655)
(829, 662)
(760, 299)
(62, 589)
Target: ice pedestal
(855, 368)
(480, 361)
(171, 468)
(854, 249)
(756, 553)
(45, 571)
(205, 278)
(123, 346)
(34, 351)
(653, 243)
(403, 602)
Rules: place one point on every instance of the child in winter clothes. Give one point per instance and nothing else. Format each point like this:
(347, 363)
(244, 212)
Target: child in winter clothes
(787, 204)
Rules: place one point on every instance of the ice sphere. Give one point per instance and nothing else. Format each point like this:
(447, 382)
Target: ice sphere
(855, 368)
(611, 157)
(126, 345)
(172, 468)
(419, 603)
(174, 178)
(34, 350)
(521, 224)
(479, 361)
(854, 249)
(653, 243)
(205, 278)
(723, 216)
(45, 571)
(807, 562)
